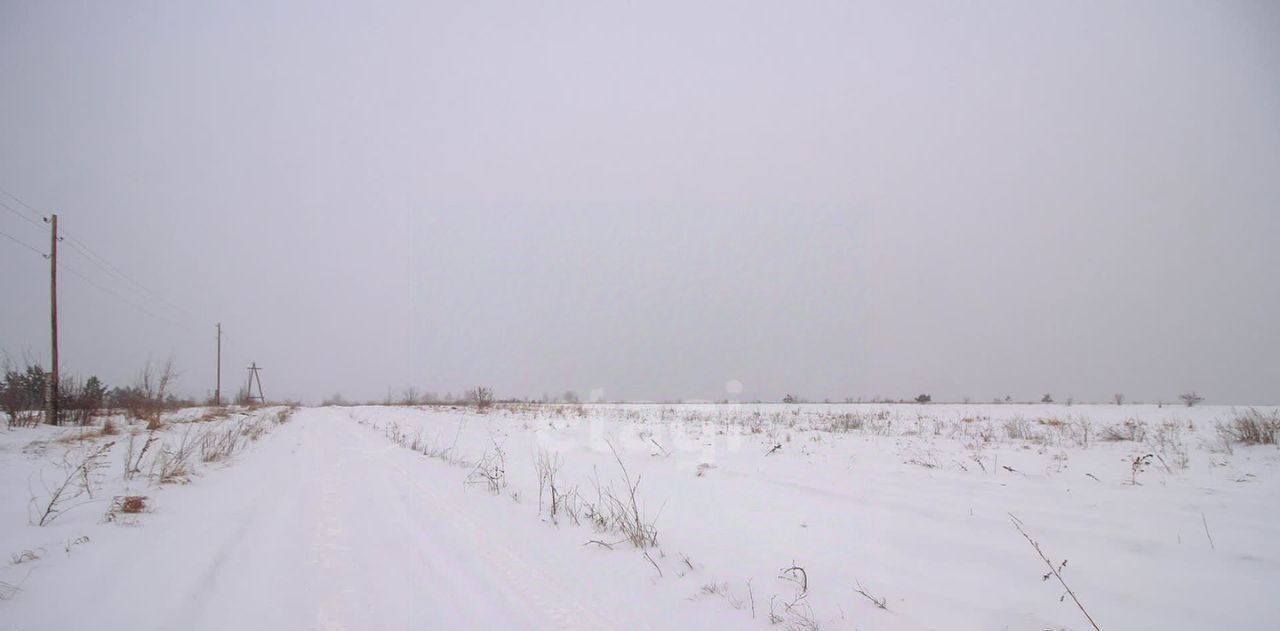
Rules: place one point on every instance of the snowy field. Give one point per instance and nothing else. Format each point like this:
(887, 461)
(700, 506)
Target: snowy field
(649, 516)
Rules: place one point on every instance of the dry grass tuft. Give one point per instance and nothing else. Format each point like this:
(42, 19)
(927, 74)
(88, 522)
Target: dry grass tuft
(1131, 430)
(129, 504)
(79, 480)
(1252, 428)
(24, 557)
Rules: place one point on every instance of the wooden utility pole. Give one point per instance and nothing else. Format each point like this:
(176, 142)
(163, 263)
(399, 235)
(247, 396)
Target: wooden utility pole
(53, 317)
(217, 391)
(254, 376)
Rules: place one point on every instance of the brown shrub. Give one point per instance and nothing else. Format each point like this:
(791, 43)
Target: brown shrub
(129, 503)
(1252, 428)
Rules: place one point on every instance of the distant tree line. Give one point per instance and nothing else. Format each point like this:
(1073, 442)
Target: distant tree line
(24, 395)
(1189, 399)
(24, 392)
(484, 397)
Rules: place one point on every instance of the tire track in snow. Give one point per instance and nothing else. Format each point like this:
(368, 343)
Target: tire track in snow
(536, 590)
(326, 530)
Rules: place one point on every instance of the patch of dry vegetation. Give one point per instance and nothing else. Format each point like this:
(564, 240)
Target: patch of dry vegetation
(1252, 427)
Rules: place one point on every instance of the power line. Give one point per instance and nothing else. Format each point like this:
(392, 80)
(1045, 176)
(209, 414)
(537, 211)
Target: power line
(103, 264)
(19, 200)
(21, 243)
(116, 295)
(22, 215)
(106, 266)
(87, 279)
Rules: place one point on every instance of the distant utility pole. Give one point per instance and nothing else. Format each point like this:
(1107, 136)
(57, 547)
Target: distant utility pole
(217, 390)
(253, 376)
(53, 317)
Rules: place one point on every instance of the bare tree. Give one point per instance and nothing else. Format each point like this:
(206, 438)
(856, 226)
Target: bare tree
(1190, 398)
(1118, 398)
(150, 394)
(481, 397)
(410, 396)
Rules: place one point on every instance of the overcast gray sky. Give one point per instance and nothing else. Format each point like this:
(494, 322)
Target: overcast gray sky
(654, 198)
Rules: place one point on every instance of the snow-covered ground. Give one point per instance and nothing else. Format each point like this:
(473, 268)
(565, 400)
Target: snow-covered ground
(892, 516)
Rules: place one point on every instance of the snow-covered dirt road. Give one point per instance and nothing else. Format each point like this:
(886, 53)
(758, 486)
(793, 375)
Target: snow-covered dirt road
(323, 526)
(899, 517)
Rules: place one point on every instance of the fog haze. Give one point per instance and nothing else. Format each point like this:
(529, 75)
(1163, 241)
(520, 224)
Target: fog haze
(652, 199)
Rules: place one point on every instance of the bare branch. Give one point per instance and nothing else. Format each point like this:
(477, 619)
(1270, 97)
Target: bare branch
(1054, 571)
